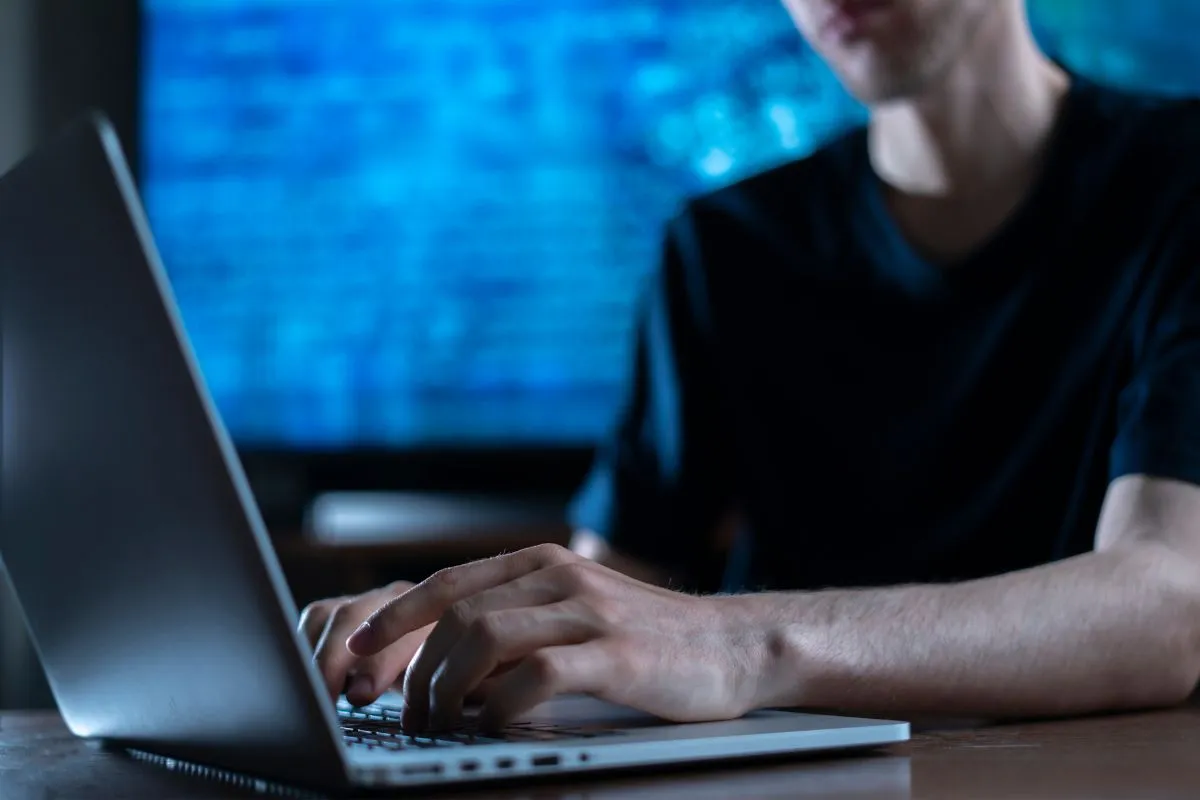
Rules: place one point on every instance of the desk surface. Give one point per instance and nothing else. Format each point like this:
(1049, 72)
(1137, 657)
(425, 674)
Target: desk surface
(1138, 756)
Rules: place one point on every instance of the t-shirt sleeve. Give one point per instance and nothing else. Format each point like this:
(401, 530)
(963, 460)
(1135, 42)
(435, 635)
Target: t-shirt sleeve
(662, 479)
(1159, 415)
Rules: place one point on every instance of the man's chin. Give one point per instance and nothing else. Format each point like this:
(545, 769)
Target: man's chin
(874, 76)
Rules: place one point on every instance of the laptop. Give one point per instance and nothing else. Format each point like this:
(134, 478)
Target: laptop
(141, 563)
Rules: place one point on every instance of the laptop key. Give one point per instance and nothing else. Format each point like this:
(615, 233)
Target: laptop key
(374, 725)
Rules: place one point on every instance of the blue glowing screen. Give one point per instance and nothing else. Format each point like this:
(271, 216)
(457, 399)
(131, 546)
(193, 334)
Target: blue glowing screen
(398, 223)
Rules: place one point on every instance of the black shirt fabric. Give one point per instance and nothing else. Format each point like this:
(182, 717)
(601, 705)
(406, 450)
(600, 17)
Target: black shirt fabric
(877, 419)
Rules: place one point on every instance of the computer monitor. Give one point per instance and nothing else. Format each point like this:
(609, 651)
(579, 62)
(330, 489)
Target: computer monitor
(396, 225)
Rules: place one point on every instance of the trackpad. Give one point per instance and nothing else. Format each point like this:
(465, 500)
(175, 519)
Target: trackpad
(585, 711)
(576, 709)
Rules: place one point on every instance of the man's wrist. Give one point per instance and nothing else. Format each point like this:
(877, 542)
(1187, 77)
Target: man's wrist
(770, 663)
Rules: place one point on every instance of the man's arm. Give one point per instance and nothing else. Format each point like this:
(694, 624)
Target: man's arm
(1116, 628)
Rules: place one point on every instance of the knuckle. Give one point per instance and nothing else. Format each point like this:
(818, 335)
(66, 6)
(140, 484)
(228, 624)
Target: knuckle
(392, 660)
(312, 608)
(397, 588)
(485, 632)
(544, 668)
(320, 608)
(308, 616)
(460, 615)
(607, 613)
(444, 580)
(338, 615)
(578, 576)
(551, 554)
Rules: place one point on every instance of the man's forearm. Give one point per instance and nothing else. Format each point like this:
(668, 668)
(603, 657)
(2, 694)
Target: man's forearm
(1103, 631)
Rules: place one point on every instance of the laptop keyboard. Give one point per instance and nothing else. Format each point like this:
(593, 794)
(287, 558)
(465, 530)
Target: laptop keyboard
(378, 727)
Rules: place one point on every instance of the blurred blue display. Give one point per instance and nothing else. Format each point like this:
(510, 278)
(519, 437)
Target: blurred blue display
(393, 223)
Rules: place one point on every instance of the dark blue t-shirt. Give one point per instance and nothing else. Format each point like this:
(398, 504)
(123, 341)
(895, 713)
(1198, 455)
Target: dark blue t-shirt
(877, 419)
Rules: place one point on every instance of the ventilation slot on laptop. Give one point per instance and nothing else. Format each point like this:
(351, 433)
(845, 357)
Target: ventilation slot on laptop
(421, 769)
(544, 761)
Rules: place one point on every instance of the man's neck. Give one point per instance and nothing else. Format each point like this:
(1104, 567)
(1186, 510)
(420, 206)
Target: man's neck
(957, 160)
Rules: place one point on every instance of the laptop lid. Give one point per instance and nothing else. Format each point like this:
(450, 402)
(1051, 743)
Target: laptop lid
(137, 553)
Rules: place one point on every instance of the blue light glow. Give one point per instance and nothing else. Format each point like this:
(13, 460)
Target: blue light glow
(406, 222)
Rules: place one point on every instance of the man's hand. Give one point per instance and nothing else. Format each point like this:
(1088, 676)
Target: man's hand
(327, 623)
(557, 623)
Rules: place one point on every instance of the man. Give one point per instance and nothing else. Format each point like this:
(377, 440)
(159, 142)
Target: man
(954, 357)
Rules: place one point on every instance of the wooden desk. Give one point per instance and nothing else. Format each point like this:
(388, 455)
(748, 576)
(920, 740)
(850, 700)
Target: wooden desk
(1140, 756)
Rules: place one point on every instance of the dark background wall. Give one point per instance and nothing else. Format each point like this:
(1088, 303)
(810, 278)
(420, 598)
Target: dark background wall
(85, 55)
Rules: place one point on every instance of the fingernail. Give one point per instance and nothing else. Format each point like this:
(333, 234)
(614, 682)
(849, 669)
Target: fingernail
(360, 639)
(361, 688)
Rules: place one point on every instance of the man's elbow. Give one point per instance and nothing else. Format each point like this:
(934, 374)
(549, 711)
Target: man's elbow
(1168, 675)
(1179, 666)
(1161, 644)
(1168, 684)
(1181, 674)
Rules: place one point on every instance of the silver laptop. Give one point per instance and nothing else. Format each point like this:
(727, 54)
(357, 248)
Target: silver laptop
(141, 563)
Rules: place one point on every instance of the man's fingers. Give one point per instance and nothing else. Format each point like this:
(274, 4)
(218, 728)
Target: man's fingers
(528, 592)
(312, 621)
(477, 695)
(582, 668)
(372, 676)
(494, 639)
(332, 658)
(430, 599)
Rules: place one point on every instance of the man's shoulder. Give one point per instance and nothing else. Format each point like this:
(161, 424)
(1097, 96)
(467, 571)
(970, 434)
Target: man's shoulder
(1138, 157)
(1115, 102)
(1155, 133)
